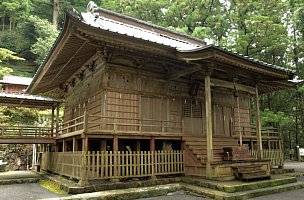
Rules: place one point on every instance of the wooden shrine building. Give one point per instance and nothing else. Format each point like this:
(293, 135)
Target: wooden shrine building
(131, 86)
(14, 84)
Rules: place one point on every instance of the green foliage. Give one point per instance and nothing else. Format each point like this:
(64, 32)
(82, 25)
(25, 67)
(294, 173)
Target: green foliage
(46, 35)
(19, 116)
(5, 55)
(52, 186)
(16, 10)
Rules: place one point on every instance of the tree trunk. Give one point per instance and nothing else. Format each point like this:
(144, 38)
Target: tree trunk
(56, 9)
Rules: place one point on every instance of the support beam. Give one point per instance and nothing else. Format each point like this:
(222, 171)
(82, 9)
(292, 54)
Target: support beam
(231, 85)
(208, 126)
(188, 70)
(258, 124)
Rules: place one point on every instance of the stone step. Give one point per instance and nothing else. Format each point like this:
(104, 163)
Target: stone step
(215, 194)
(239, 186)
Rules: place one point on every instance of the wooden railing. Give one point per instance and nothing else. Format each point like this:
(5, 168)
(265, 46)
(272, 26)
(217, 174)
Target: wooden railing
(97, 123)
(109, 165)
(275, 156)
(26, 131)
(73, 125)
(16, 91)
(251, 131)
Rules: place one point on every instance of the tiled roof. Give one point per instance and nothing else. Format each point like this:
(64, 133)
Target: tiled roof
(265, 64)
(136, 32)
(28, 97)
(18, 80)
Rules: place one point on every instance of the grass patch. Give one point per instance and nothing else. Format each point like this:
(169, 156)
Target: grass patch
(52, 187)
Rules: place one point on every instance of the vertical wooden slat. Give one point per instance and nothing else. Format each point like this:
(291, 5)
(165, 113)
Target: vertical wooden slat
(106, 166)
(110, 164)
(97, 165)
(118, 164)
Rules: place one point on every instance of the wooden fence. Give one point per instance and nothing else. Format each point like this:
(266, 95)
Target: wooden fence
(109, 165)
(275, 156)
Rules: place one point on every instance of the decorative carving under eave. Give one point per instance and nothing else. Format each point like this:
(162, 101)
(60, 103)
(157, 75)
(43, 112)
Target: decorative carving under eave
(105, 54)
(81, 75)
(92, 66)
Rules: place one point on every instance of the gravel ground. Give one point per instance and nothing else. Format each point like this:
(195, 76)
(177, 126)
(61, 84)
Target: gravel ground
(24, 192)
(298, 166)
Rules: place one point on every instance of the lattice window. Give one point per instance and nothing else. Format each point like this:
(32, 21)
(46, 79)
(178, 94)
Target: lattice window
(196, 109)
(192, 108)
(187, 108)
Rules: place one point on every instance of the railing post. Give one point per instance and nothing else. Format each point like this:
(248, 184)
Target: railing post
(84, 179)
(162, 126)
(85, 121)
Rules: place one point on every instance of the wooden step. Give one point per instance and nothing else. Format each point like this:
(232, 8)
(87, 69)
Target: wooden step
(250, 172)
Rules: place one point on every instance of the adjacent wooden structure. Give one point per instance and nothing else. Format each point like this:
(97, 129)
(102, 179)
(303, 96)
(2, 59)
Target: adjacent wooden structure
(14, 84)
(130, 86)
(13, 94)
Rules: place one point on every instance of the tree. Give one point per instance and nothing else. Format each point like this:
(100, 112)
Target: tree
(45, 34)
(6, 55)
(17, 11)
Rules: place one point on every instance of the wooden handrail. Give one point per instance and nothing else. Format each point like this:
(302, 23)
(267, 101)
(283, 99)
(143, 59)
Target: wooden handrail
(85, 123)
(35, 131)
(112, 117)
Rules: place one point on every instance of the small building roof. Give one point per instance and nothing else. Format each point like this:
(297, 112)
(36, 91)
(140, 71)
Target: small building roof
(17, 80)
(26, 100)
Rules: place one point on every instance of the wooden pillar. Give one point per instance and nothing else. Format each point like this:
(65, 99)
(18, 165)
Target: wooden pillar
(85, 143)
(115, 143)
(137, 145)
(152, 151)
(152, 144)
(63, 146)
(57, 120)
(115, 149)
(208, 125)
(103, 145)
(258, 124)
(53, 116)
(75, 148)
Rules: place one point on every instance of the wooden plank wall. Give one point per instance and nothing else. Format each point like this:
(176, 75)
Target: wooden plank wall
(245, 122)
(86, 95)
(124, 106)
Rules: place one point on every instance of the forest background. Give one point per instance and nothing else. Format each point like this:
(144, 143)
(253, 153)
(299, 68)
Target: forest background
(268, 30)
